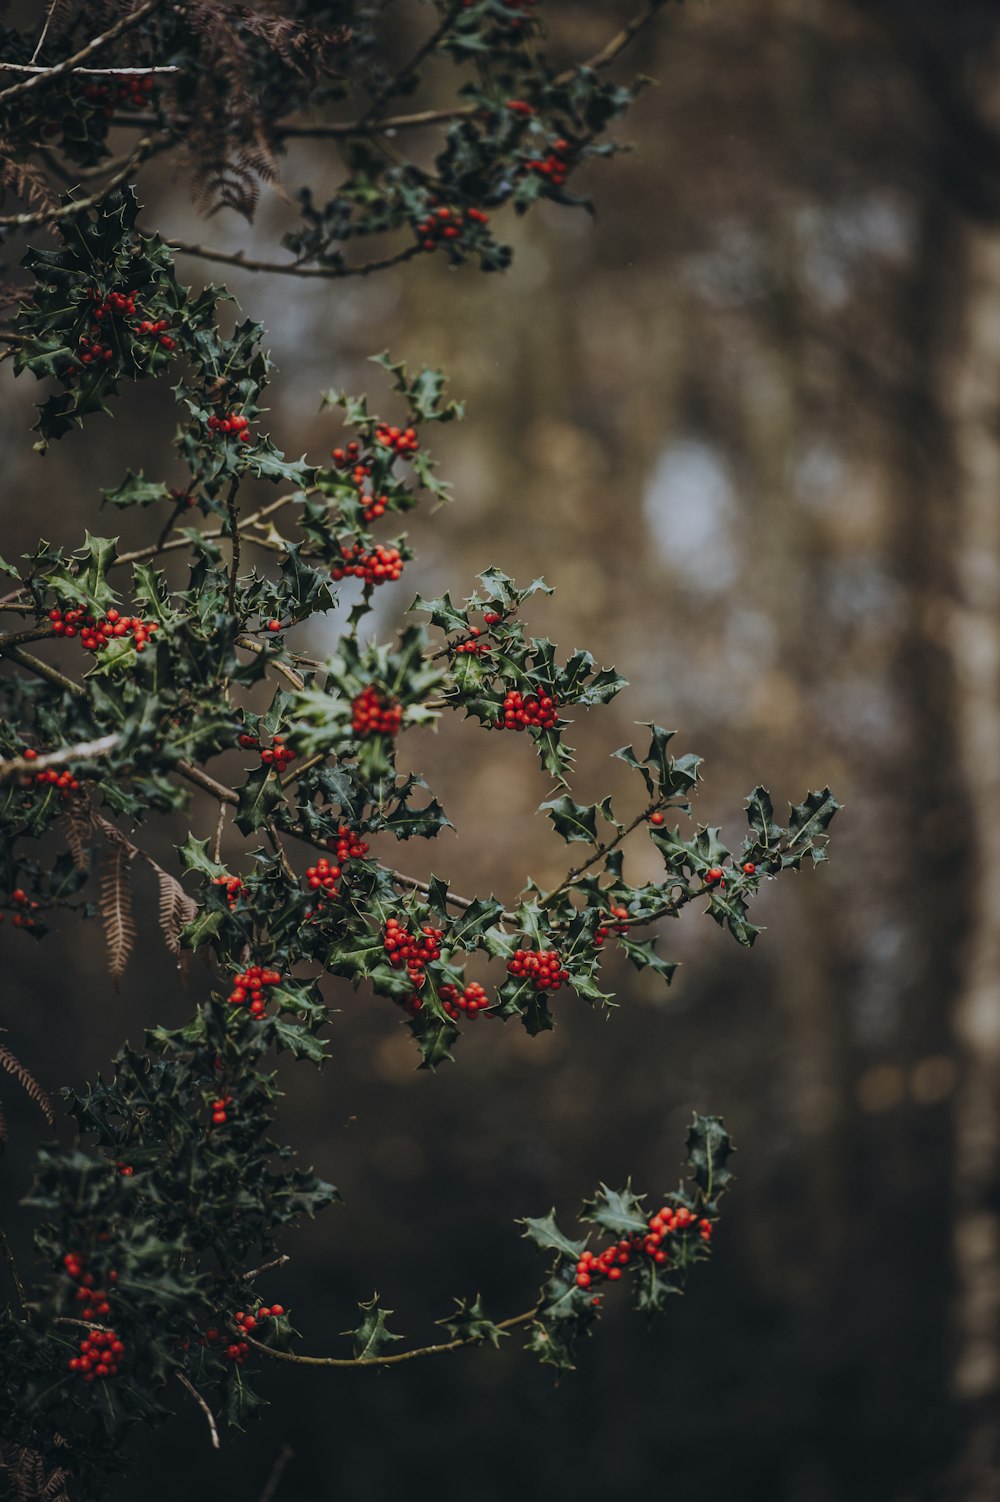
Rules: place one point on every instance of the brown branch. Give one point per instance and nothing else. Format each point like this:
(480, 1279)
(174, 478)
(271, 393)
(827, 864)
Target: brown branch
(397, 1360)
(409, 68)
(234, 528)
(293, 268)
(22, 1296)
(209, 1416)
(279, 850)
(249, 645)
(43, 670)
(70, 64)
(80, 205)
(203, 780)
(99, 72)
(86, 751)
(617, 44)
(285, 1454)
(255, 1272)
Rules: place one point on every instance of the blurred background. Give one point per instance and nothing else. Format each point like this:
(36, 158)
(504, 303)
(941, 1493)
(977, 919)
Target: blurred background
(747, 422)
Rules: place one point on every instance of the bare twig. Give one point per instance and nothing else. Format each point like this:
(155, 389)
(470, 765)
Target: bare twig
(43, 670)
(70, 64)
(53, 6)
(203, 780)
(285, 1454)
(22, 1296)
(408, 69)
(293, 268)
(234, 529)
(249, 645)
(86, 751)
(99, 72)
(255, 1272)
(217, 848)
(209, 1415)
(357, 1362)
(280, 852)
(79, 205)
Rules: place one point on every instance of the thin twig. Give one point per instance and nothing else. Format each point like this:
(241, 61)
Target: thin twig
(45, 30)
(209, 1415)
(279, 851)
(293, 268)
(70, 64)
(234, 528)
(80, 205)
(22, 1296)
(255, 1272)
(408, 69)
(356, 1362)
(249, 645)
(18, 766)
(217, 849)
(203, 780)
(100, 72)
(602, 848)
(43, 670)
(285, 1454)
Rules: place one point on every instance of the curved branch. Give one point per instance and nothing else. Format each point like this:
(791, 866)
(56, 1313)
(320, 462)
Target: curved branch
(294, 268)
(397, 1360)
(69, 64)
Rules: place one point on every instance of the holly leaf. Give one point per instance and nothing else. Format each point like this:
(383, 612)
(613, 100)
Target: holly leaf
(371, 1337)
(574, 821)
(259, 797)
(617, 1210)
(709, 1148)
(544, 1232)
(470, 1322)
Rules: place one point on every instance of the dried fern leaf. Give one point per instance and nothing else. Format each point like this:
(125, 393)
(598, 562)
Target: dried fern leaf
(20, 1072)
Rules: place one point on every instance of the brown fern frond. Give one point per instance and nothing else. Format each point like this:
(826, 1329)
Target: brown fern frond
(116, 906)
(78, 826)
(25, 181)
(25, 1470)
(177, 907)
(20, 1072)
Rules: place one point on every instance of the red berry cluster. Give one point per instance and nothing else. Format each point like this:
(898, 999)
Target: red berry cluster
(609, 1263)
(100, 1355)
(133, 91)
(94, 350)
(94, 1299)
(520, 107)
(375, 505)
(349, 844)
(219, 1109)
(542, 966)
(115, 302)
(234, 889)
(238, 1350)
(66, 783)
(373, 714)
(251, 984)
(157, 327)
(383, 565)
(125, 1170)
(613, 921)
(25, 907)
(401, 948)
(400, 440)
(536, 712)
(555, 166)
(446, 224)
(277, 754)
(96, 634)
(472, 647)
(234, 423)
(323, 878)
(471, 1000)
(715, 877)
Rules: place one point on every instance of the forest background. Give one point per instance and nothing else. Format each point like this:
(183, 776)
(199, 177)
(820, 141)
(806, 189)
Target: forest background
(747, 424)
